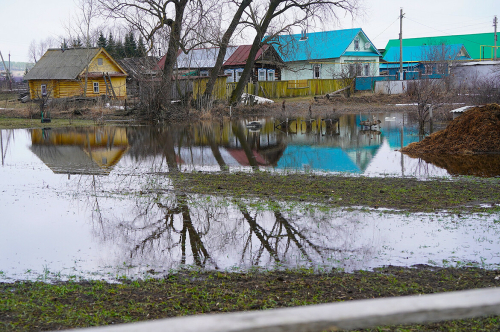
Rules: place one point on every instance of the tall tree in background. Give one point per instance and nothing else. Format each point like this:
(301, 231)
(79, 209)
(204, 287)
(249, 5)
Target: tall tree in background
(284, 14)
(111, 45)
(141, 47)
(130, 45)
(101, 42)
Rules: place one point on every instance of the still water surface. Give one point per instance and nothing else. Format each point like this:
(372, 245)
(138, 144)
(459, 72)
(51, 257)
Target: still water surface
(98, 202)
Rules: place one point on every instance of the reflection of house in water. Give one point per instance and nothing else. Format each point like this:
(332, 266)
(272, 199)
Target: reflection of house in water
(230, 144)
(346, 148)
(80, 151)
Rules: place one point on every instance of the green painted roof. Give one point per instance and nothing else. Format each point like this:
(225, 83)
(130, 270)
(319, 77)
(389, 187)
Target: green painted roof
(471, 42)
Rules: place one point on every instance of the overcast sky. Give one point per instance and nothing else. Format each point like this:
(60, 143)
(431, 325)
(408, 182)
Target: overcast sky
(25, 20)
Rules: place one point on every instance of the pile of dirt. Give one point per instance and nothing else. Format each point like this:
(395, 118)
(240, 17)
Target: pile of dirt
(477, 131)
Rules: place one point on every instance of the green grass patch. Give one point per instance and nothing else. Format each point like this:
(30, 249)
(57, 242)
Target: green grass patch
(407, 194)
(33, 306)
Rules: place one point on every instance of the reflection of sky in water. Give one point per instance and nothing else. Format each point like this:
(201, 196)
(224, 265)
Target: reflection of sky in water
(80, 223)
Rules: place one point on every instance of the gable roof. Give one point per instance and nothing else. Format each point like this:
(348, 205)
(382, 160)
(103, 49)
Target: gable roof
(318, 45)
(240, 56)
(472, 42)
(57, 64)
(427, 53)
(138, 67)
(200, 57)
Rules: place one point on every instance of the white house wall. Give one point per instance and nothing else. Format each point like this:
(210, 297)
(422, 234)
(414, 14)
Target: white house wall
(303, 70)
(332, 68)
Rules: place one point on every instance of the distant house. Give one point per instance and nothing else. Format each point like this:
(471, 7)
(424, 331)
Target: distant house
(475, 74)
(267, 66)
(141, 71)
(327, 55)
(62, 73)
(478, 45)
(426, 60)
(198, 62)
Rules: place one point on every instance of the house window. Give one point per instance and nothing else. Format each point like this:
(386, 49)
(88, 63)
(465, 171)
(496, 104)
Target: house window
(367, 69)
(270, 75)
(204, 73)
(429, 69)
(316, 71)
(99, 62)
(230, 78)
(239, 73)
(43, 88)
(96, 87)
(356, 44)
(262, 74)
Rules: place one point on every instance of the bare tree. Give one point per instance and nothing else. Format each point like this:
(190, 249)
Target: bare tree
(223, 46)
(37, 49)
(277, 16)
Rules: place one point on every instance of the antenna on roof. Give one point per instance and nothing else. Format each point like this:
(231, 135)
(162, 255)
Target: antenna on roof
(303, 35)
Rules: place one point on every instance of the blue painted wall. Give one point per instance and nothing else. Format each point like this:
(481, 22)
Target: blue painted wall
(367, 83)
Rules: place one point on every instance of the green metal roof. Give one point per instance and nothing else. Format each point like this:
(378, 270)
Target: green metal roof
(472, 43)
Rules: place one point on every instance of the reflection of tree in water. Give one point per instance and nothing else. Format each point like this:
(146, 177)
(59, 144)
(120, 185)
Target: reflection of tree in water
(165, 227)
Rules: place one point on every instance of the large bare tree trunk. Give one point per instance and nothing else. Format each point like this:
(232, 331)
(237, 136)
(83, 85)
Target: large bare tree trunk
(261, 31)
(173, 48)
(223, 47)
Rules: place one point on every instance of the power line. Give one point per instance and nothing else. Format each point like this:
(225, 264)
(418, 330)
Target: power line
(386, 28)
(442, 31)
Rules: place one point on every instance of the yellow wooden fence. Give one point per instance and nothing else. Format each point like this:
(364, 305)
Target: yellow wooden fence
(272, 89)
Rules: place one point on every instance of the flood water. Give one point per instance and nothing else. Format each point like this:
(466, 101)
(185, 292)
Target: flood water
(99, 203)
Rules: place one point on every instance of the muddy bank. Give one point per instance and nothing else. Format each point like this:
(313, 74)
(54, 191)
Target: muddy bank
(477, 131)
(35, 306)
(305, 106)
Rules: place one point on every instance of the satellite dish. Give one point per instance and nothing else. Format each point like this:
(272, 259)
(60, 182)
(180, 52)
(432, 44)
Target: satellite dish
(367, 46)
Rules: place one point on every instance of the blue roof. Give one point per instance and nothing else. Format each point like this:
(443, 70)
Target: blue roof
(426, 53)
(317, 158)
(317, 46)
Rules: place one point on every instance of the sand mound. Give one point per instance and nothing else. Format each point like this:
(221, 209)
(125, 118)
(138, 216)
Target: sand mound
(476, 131)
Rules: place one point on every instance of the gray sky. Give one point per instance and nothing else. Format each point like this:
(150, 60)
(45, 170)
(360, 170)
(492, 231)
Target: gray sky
(25, 20)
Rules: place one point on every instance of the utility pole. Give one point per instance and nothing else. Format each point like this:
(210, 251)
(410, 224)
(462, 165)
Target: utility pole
(495, 22)
(401, 44)
(10, 77)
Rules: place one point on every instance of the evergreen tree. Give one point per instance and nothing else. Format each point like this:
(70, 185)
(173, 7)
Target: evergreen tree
(130, 45)
(111, 45)
(119, 50)
(101, 42)
(141, 47)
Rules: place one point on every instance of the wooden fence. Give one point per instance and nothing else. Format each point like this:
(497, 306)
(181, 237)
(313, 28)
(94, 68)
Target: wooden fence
(333, 316)
(274, 89)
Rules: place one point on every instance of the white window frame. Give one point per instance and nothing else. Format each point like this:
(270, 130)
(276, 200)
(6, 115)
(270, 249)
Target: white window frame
(229, 72)
(367, 69)
(271, 75)
(261, 74)
(356, 44)
(429, 69)
(96, 85)
(316, 70)
(237, 74)
(204, 73)
(43, 90)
